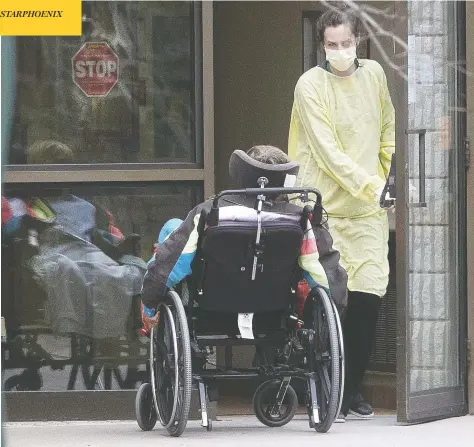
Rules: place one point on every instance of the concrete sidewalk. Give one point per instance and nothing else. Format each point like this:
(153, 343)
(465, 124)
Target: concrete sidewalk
(382, 431)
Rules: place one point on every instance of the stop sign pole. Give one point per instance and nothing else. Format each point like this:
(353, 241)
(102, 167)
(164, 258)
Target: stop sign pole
(95, 69)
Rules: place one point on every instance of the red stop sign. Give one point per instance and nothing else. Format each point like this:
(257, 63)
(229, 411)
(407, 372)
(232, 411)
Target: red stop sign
(95, 68)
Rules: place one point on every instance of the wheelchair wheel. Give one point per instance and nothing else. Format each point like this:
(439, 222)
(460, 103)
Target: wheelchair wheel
(170, 365)
(145, 407)
(265, 404)
(327, 360)
(342, 376)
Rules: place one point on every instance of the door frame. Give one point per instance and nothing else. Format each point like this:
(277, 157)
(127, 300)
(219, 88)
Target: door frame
(441, 403)
(400, 100)
(470, 204)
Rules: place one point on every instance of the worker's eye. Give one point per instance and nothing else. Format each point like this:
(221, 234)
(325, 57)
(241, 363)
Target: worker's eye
(347, 44)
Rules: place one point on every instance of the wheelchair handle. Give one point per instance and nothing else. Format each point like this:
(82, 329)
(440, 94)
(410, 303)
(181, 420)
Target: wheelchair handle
(272, 191)
(213, 217)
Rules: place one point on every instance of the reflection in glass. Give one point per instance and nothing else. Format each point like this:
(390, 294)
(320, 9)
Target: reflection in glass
(147, 117)
(74, 260)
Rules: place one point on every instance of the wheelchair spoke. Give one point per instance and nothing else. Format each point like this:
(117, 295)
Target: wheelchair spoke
(323, 400)
(325, 380)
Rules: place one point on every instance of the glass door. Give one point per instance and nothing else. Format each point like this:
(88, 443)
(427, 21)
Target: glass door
(431, 247)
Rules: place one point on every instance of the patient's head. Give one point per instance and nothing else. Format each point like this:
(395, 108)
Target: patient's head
(270, 155)
(245, 168)
(49, 152)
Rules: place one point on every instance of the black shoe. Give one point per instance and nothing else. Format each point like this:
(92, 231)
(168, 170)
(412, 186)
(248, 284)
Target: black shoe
(360, 408)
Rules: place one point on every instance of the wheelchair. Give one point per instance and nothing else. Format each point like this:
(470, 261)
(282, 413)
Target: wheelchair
(242, 291)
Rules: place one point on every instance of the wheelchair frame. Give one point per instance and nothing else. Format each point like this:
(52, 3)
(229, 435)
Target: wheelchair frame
(175, 349)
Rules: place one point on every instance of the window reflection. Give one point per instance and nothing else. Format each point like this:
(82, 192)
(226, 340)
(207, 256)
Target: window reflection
(147, 116)
(74, 259)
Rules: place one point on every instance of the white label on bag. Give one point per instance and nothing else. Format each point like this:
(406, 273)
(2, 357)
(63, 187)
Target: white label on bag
(245, 325)
(290, 181)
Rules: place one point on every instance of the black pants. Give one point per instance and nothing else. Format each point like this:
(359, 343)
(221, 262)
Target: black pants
(358, 327)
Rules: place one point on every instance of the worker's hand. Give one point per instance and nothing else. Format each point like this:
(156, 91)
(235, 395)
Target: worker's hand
(387, 202)
(391, 201)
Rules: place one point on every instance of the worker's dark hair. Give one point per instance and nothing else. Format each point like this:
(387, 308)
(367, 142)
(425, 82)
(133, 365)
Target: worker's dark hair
(339, 14)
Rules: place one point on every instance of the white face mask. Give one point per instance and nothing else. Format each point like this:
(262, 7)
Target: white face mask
(341, 60)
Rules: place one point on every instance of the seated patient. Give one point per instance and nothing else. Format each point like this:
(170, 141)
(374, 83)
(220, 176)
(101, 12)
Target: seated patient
(177, 244)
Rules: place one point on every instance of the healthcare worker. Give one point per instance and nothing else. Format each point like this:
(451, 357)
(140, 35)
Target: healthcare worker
(342, 136)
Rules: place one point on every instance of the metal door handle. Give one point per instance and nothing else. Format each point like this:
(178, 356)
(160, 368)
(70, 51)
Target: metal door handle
(421, 151)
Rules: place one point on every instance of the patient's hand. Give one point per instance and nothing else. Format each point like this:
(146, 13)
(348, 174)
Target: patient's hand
(150, 322)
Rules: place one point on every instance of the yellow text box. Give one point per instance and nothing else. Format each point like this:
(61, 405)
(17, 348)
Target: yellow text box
(40, 17)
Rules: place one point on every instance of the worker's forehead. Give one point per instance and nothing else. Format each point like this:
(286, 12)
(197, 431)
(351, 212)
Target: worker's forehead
(337, 34)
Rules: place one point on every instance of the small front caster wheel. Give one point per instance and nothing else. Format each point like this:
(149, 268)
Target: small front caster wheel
(264, 401)
(145, 407)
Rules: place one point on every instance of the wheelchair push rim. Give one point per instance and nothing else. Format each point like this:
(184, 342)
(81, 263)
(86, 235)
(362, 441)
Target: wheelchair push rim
(170, 365)
(342, 369)
(168, 315)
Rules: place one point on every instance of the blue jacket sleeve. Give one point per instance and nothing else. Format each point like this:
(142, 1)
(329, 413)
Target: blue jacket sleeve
(172, 261)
